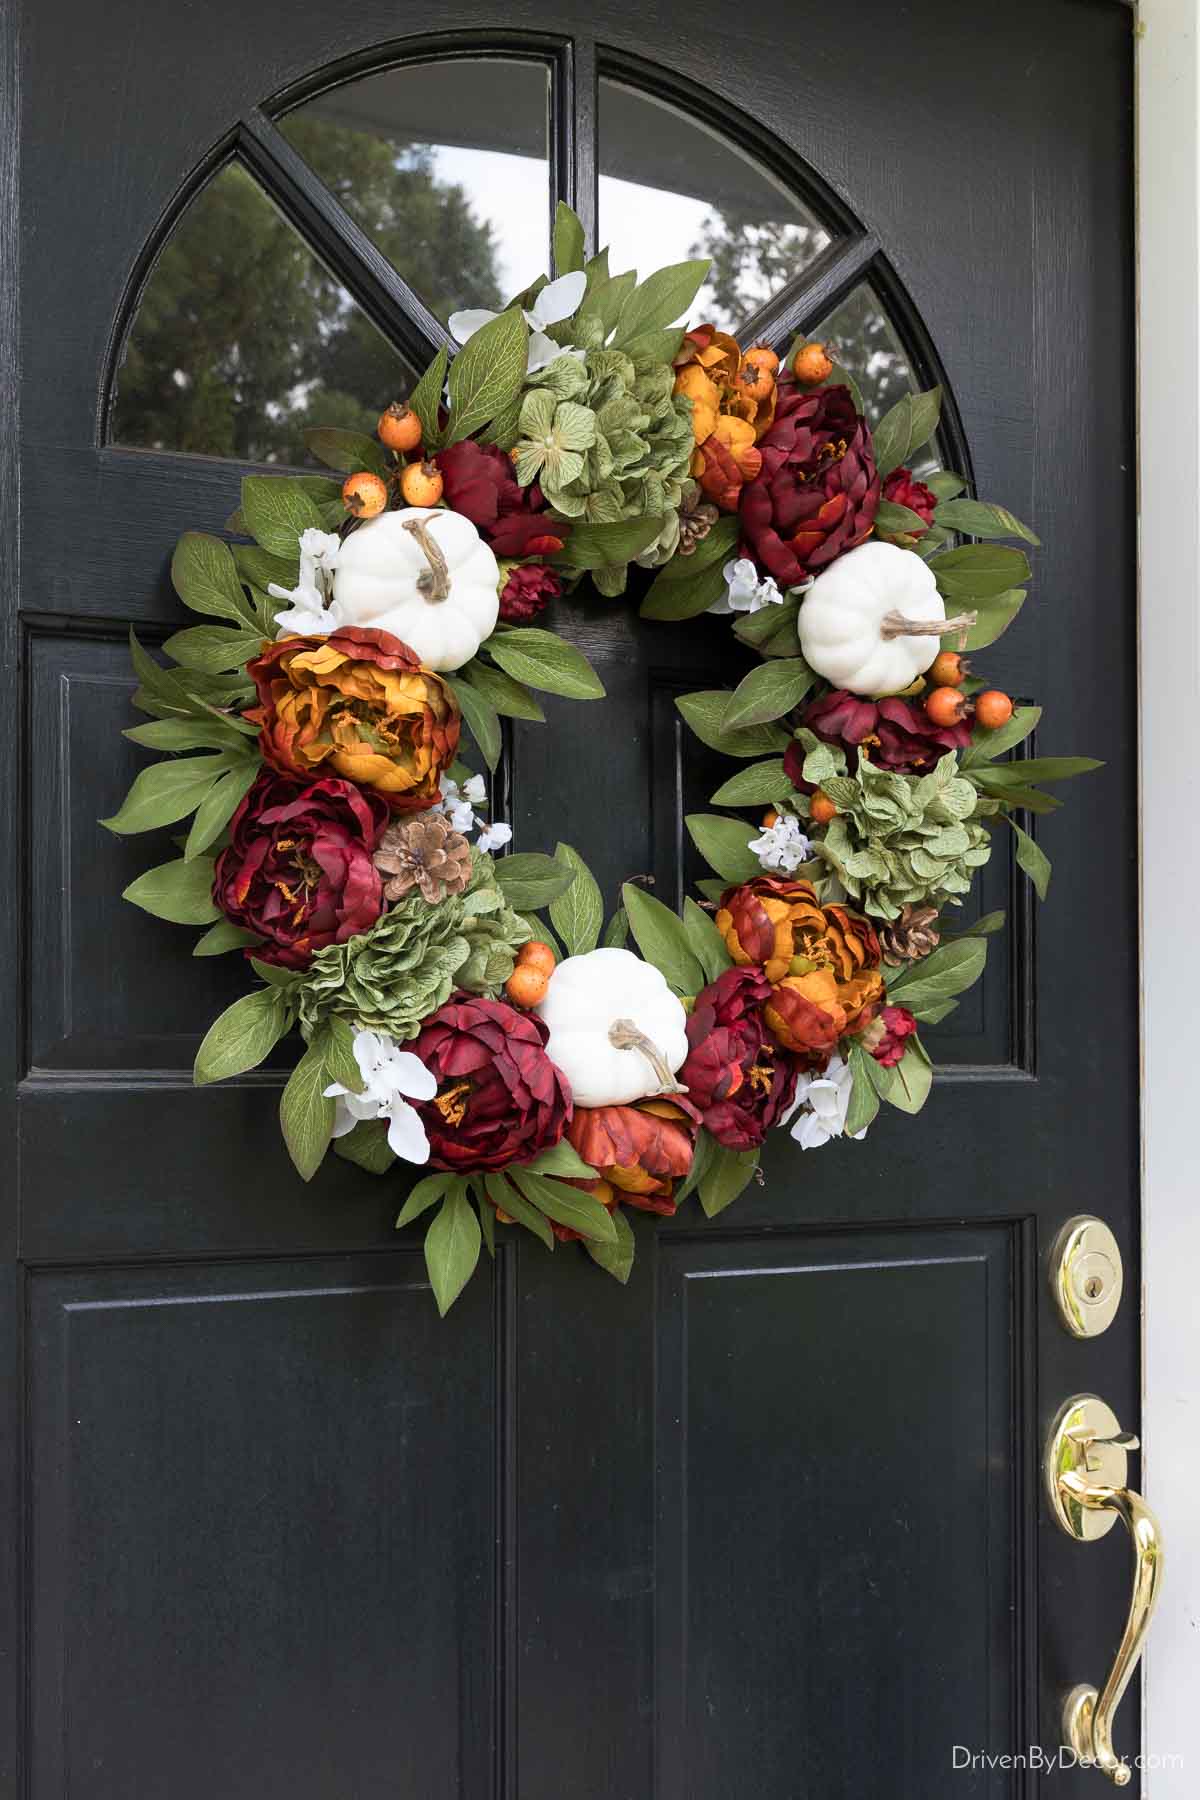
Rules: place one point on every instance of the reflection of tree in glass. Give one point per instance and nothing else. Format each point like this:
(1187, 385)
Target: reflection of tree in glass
(752, 260)
(243, 340)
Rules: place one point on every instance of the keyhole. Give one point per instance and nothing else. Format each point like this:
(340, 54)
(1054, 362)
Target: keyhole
(1093, 1287)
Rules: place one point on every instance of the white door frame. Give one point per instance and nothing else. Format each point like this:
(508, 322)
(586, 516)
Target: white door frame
(1168, 174)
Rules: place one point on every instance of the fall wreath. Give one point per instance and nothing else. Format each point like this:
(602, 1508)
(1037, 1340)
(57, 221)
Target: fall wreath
(474, 1012)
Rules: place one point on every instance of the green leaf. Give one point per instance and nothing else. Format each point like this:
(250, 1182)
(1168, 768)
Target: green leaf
(724, 845)
(662, 939)
(184, 734)
(366, 1147)
(703, 1152)
(568, 240)
(577, 914)
(864, 1098)
(481, 719)
(910, 1080)
(542, 932)
(348, 451)
(979, 571)
(1033, 859)
(606, 298)
(707, 944)
(996, 785)
(704, 713)
(223, 936)
(205, 577)
(897, 520)
(502, 692)
(219, 805)
(717, 546)
(179, 891)
(546, 661)
(949, 970)
(1047, 768)
(762, 628)
(425, 1194)
(661, 299)
(341, 1065)
(305, 1115)
(616, 1259)
(277, 510)
(909, 425)
(531, 880)
(986, 745)
(767, 693)
(487, 1221)
(982, 927)
(505, 1197)
(684, 595)
(243, 1036)
(607, 546)
(980, 519)
(728, 1174)
(617, 934)
(452, 1244)
(166, 791)
(426, 399)
(568, 1206)
(944, 483)
(561, 1159)
(759, 784)
(487, 374)
(656, 346)
(939, 1010)
(996, 613)
(274, 976)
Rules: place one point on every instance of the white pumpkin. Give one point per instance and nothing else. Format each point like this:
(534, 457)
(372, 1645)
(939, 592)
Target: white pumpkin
(426, 576)
(855, 617)
(617, 1031)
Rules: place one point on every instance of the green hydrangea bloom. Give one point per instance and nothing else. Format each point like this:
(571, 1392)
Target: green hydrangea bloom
(392, 977)
(901, 840)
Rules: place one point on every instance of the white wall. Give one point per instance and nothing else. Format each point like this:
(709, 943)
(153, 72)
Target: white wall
(1169, 335)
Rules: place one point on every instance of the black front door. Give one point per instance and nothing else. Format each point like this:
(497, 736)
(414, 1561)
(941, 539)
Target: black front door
(767, 1522)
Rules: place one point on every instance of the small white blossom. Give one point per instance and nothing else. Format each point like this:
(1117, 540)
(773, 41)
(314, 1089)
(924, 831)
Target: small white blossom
(391, 1077)
(312, 613)
(557, 301)
(492, 837)
(459, 805)
(822, 1102)
(744, 592)
(782, 846)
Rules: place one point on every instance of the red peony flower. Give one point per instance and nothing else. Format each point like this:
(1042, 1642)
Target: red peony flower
(899, 734)
(818, 490)
(903, 489)
(737, 1076)
(886, 1037)
(298, 869)
(500, 1099)
(525, 593)
(480, 484)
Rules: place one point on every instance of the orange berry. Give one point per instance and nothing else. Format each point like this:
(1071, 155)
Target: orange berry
(526, 985)
(365, 495)
(949, 669)
(755, 381)
(945, 706)
(813, 363)
(762, 357)
(992, 709)
(769, 818)
(537, 955)
(399, 427)
(421, 484)
(821, 808)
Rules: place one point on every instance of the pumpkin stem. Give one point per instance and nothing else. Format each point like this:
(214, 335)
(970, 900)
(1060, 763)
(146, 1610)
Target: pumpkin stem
(433, 583)
(623, 1034)
(895, 625)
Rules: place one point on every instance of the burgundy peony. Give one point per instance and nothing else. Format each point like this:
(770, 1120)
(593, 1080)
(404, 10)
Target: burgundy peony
(886, 1037)
(500, 1099)
(899, 734)
(903, 489)
(737, 1076)
(817, 492)
(298, 869)
(480, 484)
(525, 593)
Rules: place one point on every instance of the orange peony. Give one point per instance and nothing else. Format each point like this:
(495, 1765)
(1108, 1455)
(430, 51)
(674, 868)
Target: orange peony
(733, 404)
(726, 461)
(359, 704)
(640, 1152)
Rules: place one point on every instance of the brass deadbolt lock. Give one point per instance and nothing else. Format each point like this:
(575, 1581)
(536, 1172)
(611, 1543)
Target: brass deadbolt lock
(1087, 1276)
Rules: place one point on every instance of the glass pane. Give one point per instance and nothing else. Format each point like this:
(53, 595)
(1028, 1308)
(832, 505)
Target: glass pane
(868, 349)
(446, 167)
(670, 188)
(243, 339)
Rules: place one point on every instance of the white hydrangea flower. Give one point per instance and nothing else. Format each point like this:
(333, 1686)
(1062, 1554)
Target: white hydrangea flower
(744, 592)
(782, 846)
(391, 1077)
(557, 301)
(312, 612)
(822, 1102)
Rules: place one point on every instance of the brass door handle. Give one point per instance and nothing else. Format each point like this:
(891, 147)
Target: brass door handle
(1086, 1465)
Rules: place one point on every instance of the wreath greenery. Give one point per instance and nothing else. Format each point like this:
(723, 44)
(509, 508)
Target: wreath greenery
(473, 1011)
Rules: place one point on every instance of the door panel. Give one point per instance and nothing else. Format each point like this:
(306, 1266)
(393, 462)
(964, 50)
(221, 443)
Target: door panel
(767, 1521)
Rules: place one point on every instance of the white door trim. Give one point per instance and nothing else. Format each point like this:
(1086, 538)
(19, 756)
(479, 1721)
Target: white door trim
(1168, 175)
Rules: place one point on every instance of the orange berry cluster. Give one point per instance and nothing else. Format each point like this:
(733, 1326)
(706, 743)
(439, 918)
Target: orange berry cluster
(529, 980)
(365, 495)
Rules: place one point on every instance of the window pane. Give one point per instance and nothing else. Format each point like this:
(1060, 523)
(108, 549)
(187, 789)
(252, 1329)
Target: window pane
(868, 349)
(243, 339)
(670, 188)
(446, 167)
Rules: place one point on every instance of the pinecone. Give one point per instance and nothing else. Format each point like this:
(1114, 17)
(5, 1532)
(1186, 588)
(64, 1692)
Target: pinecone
(425, 853)
(696, 519)
(913, 935)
